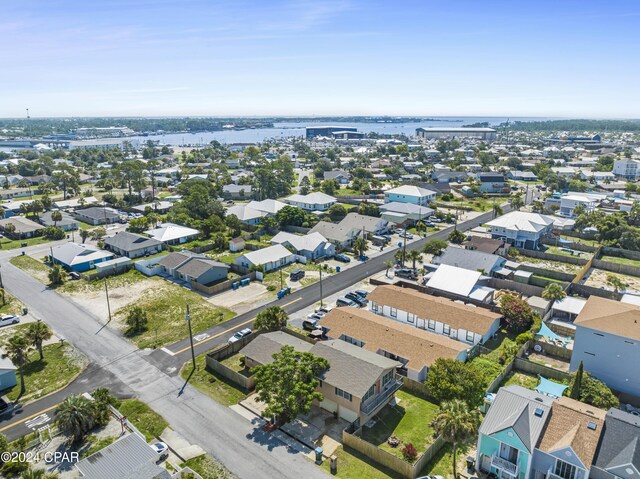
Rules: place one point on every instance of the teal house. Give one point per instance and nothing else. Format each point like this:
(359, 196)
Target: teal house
(510, 432)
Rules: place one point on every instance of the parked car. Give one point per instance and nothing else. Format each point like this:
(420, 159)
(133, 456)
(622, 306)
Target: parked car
(3, 405)
(343, 301)
(398, 231)
(362, 293)
(429, 224)
(316, 316)
(296, 275)
(406, 235)
(160, 448)
(343, 258)
(73, 275)
(435, 219)
(324, 309)
(7, 319)
(310, 324)
(359, 300)
(406, 273)
(239, 335)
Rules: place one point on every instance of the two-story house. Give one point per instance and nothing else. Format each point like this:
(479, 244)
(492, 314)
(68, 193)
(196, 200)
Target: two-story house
(437, 315)
(627, 168)
(409, 194)
(618, 454)
(607, 341)
(510, 432)
(357, 384)
(492, 183)
(571, 200)
(521, 229)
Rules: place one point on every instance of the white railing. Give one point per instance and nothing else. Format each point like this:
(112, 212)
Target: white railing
(505, 465)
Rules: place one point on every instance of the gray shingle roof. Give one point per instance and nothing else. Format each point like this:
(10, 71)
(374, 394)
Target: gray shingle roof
(130, 241)
(469, 259)
(263, 347)
(515, 407)
(195, 267)
(619, 446)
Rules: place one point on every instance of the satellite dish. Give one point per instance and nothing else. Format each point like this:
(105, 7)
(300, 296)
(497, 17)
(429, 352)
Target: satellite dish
(537, 348)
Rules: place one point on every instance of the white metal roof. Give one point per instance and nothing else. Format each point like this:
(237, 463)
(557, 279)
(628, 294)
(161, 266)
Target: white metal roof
(454, 280)
(170, 232)
(266, 255)
(411, 190)
(522, 221)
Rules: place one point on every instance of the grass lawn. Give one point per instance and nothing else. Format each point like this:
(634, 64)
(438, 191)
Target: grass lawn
(496, 345)
(84, 226)
(35, 268)
(353, 465)
(548, 280)
(6, 243)
(590, 242)
(273, 278)
(489, 369)
(125, 279)
(529, 381)
(347, 192)
(166, 307)
(619, 260)
(60, 366)
(409, 421)
(561, 252)
(218, 388)
(11, 306)
(148, 422)
(208, 467)
(234, 362)
(442, 463)
(151, 256)
(96, 444)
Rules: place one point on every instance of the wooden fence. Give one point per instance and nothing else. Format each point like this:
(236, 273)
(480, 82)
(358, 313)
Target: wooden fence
(527, 289)
(548, 273)
(526, 366)
(214, 363)
(223, 286)
(616, 267)
(116, 270)
(551, 257)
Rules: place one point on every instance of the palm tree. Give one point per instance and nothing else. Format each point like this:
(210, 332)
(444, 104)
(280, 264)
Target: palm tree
(37, 333)
(55, 217)
(56, 274)
(616, 283)
(456, 423)
(497, 210)
(75, 416)
(553, 291)
(517, 202)
(84, 234)
(414, 255)
(273, 318)
(399, 256)
(388, 265)
(17, 348)
(360, 246)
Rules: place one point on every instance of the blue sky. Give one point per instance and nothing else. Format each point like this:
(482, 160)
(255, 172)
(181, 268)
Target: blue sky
(327, 57)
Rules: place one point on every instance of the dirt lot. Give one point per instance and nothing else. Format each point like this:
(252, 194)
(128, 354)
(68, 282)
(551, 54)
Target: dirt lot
(243, 299)
(553, 265)
(598, 279)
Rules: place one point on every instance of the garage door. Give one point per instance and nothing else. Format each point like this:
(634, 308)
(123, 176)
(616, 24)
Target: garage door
(347, 414)
(329, 405)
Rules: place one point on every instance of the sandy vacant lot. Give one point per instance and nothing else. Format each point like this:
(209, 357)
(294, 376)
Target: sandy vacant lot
(598, 279)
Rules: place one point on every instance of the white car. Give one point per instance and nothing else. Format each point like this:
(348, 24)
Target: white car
(7, 319)
(160, 447)
(239, 335)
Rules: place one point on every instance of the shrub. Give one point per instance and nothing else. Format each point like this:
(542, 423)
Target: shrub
(271, 287)
(524, 337)
(409, 452)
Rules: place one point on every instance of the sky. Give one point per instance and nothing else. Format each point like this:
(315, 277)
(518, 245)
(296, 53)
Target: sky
(561, 58)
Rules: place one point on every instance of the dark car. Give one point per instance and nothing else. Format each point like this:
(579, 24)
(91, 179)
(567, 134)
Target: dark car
(3, 405)
(356, 298)
(343, 258)
(296, 275)
(343, 301)
(362, 293)
(406, 273)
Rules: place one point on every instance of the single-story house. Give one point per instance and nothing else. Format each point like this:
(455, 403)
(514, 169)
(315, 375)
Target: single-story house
(7, 373)
(399, 213)
(312, 246)
(470, 259)
(22, 227)
(67, 223)
(522, 175)
(96, 215)
(156, 206)
(484, 245)
(417, 349)
(194, 268)
(74, 203)
(315, 201)
(236, 192)
(358, 383)
(79, 257)
(9, 193)
(340, 176)
(459, 283)
(340, 235)
(172, 234)
(460, 322)
(132, 245)
(246, 214)
(270, 258)
(369, 224)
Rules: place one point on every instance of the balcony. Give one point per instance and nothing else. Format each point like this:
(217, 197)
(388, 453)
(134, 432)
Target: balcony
(505, 466)
(379, 399)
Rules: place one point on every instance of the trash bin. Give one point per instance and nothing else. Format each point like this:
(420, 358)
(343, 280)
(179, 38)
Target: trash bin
(334, 464)
(337, 269)
(471, 461)
(318, 451)
(25, 310)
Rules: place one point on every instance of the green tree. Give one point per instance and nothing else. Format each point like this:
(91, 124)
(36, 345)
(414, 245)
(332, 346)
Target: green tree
(305, 185)
(497, 210)
(84, 234)
(451, 379)
(457, 237)
(360, 246)
(17, 348)
(388, 265)
(75, 416)
(456, 423)
(137, 320)
(576, 386)
(138, 225)
(337, 212)
(330, 186)
(98, 233)
(616, 283)
(414, 256)
(369, 209)
(274, 318)
(55, 217)
(516, 201)
(288, 384)
(553, 291)
(37, 333)
(517, 312)
(56, 275)
(435, 247)
(595, 392)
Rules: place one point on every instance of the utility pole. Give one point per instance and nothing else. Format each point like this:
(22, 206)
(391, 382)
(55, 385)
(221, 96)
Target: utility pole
(2, 284)
(319, 267)
(106, 290)
(404, 245)
(281, 283)
(193, 354)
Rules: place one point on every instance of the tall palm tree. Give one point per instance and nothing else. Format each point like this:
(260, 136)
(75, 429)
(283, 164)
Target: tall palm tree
(553, 291)
(399, 256)
(37, 333)
(497, 210)
(456, 423)
(414, 255)
(55, 217)
(360, 246)
(388, 265)
(75, 416)
(17, 348)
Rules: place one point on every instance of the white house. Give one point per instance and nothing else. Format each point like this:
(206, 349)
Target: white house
(270, 258)
(521, 229)
(170, 233)
(471, 325)
(409, 194)
(627, 168)
(399, 213)
(315, 201)
(311, 246)
(459, 282)
(569, 201)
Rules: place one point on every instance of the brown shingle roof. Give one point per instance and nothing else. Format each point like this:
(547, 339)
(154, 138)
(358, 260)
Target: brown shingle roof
(418, 346)
(425, 306)
(610, 316)
(567, 427)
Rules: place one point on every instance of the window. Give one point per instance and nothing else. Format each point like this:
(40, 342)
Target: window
(393, 312)
(470, 336)
(446, 329)
(590, 354)
(369, 393)
(565, 470)
(374, 307)
(411, 317)
(386, 379)
(431, 324)
(350, 340)
(343, 394)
